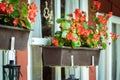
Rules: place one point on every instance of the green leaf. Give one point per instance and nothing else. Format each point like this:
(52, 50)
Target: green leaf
(64, 33)
(91, 27)
(5, 20)
(15, 14)
(100, 25)
(65, 25)
(104, 45)
(60, 20)
(85, 25)
(61, 43)
(95, 43)
(76, 44)
(14, 2)
(5, 0)
(58, 34)
(24, 9)
(90, 36)
(90, 44)
(28, 25)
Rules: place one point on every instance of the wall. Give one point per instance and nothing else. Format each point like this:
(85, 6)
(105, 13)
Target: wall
(110, 5)
(22, 60)
(1, 64)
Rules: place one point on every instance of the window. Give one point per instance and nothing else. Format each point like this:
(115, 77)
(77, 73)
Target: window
(113, 53)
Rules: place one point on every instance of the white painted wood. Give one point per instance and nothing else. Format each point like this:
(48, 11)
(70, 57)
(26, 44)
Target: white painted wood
(37, 32)
(109, 55)
(108, 68)
(29, 71)
(101, 69)
(84, 73)
(57, 4)
(84, 7)
(96, 72)
(70, 6)
(118, 53)
(57, 73)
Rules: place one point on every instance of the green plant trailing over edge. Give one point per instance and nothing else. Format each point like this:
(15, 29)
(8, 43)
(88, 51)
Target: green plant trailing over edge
(14, 14)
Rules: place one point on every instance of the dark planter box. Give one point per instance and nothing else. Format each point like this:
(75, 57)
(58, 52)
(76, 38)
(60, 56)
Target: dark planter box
(21, 37)
(61, 56)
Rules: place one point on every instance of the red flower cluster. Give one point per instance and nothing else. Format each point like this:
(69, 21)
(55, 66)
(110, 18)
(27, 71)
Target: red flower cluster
(80, 16)
(13, 14)
(15, 22)
(5, 8)
(55, 41)
(96, 5)
(32, 12)
(114, 36)
(70, 36)
(76, 31)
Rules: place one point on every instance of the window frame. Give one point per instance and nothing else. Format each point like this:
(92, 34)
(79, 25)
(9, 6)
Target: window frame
(108, 55)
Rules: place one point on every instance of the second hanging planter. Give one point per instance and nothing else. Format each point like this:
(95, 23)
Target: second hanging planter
(61, 56)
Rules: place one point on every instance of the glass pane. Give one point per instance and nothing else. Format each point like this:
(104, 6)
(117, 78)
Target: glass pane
(62, 8)
(114, 55)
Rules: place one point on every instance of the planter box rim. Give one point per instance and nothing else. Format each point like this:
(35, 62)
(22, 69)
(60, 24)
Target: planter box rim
(15, 28)
(66, 47)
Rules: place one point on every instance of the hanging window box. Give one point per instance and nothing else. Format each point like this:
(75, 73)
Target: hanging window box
(21, 37)
(61, 56)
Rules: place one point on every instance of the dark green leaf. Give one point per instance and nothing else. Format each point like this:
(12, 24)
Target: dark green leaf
(91, 27)
(100, 25)
(14, 2)
(15, 14)
(58, 34)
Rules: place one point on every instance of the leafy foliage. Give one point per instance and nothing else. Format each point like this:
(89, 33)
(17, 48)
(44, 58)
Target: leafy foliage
(77, 32)
(11, 13)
